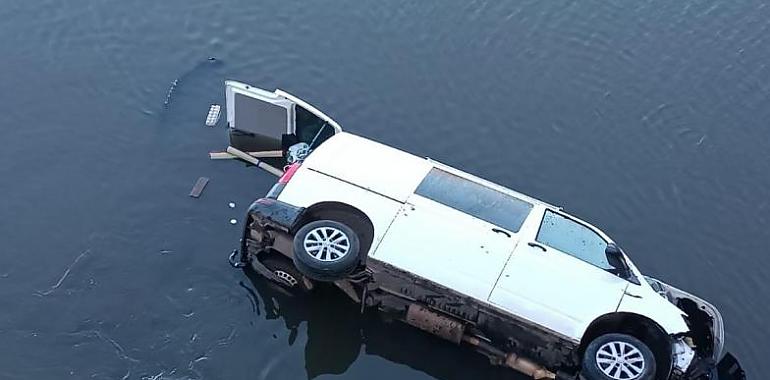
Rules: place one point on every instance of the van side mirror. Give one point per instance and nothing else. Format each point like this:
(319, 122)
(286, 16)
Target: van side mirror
(616, 260)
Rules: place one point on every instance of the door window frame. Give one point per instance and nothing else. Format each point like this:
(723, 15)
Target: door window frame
(593, 229)
(309, 107)
(234, 89)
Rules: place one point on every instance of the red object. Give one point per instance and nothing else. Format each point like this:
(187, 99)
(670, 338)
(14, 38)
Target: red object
(288, 173)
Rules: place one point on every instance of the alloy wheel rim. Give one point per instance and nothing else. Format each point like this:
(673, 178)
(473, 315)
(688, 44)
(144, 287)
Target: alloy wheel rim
(620, 360)
(286, 277)
(327, 244)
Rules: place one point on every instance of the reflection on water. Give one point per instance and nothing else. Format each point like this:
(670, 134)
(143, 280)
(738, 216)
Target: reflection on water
(337, 333)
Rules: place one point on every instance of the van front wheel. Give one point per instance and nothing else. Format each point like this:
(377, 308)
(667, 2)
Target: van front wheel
(326, 250)
(618, 357)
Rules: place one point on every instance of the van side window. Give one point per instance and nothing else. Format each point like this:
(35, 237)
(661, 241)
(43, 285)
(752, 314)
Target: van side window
(475, 199)
(573, 238)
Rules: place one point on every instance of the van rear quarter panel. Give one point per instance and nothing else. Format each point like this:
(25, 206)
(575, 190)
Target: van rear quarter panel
(370, 165)
(308, 187)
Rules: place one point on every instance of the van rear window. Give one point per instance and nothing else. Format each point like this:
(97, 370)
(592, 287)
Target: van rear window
(475, 199)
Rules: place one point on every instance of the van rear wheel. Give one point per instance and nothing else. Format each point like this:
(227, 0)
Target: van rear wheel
(618, 357)
(326, 250)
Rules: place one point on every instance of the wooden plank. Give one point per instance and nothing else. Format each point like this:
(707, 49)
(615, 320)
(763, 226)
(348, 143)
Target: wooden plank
(243, 156)
(197, 189)
(221, 156)
(263, 154)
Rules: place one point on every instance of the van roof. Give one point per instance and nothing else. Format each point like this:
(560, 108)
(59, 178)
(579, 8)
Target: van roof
(384, 169)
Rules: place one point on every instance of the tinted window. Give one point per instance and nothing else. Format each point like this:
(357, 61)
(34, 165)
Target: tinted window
(260, 117)
(475, 199)
(311, 128)
(573, 238)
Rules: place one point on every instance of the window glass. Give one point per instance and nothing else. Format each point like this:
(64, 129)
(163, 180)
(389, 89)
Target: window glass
(573, 239)
(311, 128)
(475, 199)
(260, 117)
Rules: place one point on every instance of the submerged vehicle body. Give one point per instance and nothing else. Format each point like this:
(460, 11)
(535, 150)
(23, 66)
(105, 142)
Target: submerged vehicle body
(515, 278)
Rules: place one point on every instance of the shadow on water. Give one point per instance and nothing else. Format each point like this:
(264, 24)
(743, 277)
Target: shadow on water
(337, 331)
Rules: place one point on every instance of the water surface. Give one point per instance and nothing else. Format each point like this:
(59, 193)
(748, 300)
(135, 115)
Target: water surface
(649, 119)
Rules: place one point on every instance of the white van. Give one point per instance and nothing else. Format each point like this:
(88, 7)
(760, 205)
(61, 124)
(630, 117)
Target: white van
(517, 279)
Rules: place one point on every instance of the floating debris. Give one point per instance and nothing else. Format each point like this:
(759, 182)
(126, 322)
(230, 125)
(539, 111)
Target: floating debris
(198, 187)
(170, 93)
(233, 221)
(231, 204)
(245, 157)
(213, 117)
(228, 156)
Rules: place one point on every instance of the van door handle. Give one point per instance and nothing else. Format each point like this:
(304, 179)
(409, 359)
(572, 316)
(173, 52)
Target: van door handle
(499, 231)
(535, 245)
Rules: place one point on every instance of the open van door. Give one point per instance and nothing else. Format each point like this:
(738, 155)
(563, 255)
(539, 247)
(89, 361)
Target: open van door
(264, 121)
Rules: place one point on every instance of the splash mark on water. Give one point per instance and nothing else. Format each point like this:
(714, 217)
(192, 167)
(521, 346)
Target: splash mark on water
(224, 341)
(120, 352)
(155, 377)
(64, 275)
(253, 298)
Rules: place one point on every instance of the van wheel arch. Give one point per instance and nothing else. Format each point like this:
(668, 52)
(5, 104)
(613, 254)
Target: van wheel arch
(638, 326)
(343, 213)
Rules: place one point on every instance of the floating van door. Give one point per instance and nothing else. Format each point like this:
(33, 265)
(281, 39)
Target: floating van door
(271, 122)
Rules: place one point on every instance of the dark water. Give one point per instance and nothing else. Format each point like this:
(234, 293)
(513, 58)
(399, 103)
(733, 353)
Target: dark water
(648, 118)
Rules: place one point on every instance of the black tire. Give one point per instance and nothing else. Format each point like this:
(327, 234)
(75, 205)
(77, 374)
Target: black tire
(326, 263)
(290, 277)
(639, 364)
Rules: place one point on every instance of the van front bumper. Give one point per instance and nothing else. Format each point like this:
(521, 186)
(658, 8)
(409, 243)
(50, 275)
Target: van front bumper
(707, 330)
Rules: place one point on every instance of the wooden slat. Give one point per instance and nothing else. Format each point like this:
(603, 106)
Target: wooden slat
(263, 154)
(197, 189)
(243, 156)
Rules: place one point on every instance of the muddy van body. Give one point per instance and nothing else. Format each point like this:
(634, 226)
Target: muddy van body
(512, 277)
